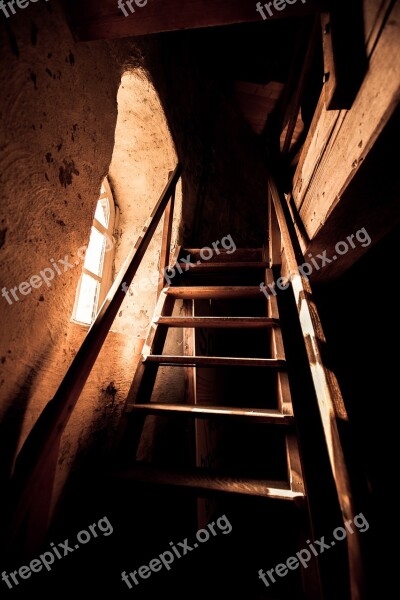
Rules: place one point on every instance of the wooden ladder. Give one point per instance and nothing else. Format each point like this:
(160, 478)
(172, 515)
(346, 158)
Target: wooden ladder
(140, 403)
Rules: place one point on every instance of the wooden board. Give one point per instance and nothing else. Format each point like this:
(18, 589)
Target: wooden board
(94, 20)
(219, 322)
(217, 291)
(342, 139)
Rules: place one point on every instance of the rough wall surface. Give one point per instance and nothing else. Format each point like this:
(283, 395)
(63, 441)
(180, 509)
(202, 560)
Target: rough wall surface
(58, 111)
(143, 155)
(58, 104)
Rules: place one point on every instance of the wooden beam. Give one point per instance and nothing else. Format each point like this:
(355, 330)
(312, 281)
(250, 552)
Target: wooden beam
(92, 20)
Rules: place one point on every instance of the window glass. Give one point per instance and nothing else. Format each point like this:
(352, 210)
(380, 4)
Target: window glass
(88, 295)
(96, 278)
(95, 252)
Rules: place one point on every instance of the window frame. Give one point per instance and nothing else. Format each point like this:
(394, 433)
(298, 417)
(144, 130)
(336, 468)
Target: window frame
(106, 278)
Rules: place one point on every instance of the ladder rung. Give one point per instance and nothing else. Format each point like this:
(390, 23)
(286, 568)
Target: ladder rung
(213, 361)
(199, 411)
(204, 267)
(217, 291)
(240, 255)
(204, 480)
(219, 322)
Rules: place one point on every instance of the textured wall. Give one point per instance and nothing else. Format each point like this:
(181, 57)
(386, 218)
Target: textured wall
(58, 111)
(143, 155)
(58, 105)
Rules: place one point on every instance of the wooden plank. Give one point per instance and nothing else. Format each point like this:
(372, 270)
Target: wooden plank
(352, 133)
(217, 291)
(213, 361)
(370, 204)
(300, 180)
(318, 138)
(329, 399)
(219, 322)
(319, 132)
(271, 417)
(92, 20)
(205, 480)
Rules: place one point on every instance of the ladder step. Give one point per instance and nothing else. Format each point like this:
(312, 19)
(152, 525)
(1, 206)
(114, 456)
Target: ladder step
(213, 361)
(201, 411)
(212, 267)
(204, 480)
(215, 291)
(240, 255)
(219, 322)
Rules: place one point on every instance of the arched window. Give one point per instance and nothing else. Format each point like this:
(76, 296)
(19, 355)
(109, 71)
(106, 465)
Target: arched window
(96, 278)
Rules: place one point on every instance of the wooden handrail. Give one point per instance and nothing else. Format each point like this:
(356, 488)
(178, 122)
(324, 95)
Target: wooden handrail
(329, 398)
(43, 440)
(166, 242)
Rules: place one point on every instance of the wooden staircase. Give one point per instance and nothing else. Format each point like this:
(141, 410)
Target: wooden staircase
(220, 307)
(193, 293)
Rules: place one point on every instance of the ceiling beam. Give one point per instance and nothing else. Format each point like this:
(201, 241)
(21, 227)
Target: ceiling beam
(92, 20)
